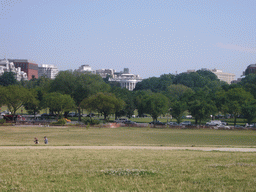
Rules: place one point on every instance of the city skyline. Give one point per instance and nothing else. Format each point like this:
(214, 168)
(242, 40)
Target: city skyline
(149, 37)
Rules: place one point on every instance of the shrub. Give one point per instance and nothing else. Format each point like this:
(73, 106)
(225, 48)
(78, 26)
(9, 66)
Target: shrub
(59, 122)
(89, 121)
(2, 121)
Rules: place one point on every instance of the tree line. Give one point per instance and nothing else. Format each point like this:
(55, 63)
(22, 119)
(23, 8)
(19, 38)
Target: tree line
(200, 93)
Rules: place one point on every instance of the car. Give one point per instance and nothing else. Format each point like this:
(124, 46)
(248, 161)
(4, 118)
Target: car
(90, 115)
(156, 123)
(128, 122)
(121, 120)
(172, 124)
(214, 123)
(186, 123)
(223, 127)
(72, 114)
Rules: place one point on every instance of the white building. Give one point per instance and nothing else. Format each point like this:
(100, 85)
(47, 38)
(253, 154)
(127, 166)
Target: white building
(50, 71)
(126, 79)
(105, 72)
(227, 77)
(6, 66)
(85, 68)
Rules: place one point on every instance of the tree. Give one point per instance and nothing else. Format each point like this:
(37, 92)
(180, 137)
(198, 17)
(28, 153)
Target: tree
(176, 92)
(177, 110)
(128, 97)
(58, 103)
(105, 103)
(78, 85)
(34, 105)
(139, 100)
(249, 110)
(156, 104)
(14, 97)
(236, 98)
(8, 78)
(201, 106)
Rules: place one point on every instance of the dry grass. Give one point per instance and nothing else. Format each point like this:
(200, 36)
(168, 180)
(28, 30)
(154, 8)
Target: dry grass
(126, 170)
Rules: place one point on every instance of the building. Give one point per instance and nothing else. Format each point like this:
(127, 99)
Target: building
(85, 68)
(126, 79)
(105, 72)
(227, 77)
(250, 69)
(31, 68)
(6, 66)
(49, 71)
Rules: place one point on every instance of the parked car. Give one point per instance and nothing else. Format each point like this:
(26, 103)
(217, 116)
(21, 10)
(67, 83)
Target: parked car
(90, 115)
(156, 123)
(121, 120)
(72, 114)
(172, 124)
(214, 123)
(187, 123)
(128, 122)
(223, 127)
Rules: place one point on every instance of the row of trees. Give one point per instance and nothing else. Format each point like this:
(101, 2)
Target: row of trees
(199, 93)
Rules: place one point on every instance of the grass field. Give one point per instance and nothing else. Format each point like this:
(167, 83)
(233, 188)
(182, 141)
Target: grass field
(77, 136)
(125, 170)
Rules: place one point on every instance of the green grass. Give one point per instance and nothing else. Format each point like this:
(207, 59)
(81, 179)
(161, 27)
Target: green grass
(80, 136)
(125, 170)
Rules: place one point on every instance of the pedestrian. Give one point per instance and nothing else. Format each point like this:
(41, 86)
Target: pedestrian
(36, 141)
(45, 140)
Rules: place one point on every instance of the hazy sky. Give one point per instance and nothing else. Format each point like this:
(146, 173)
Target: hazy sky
(150, 37)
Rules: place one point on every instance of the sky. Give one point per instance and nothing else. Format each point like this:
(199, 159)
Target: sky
(150, 37)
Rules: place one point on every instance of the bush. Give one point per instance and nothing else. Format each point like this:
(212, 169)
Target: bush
(89, 121)
(59, 122)
(2, 121)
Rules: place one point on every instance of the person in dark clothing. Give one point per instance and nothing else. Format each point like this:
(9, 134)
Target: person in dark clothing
(45, 140)
(36, 141)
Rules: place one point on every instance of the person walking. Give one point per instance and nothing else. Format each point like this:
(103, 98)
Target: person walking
(45, 140)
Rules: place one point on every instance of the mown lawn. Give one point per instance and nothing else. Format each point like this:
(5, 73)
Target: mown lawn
(75, 136)
(125, 170)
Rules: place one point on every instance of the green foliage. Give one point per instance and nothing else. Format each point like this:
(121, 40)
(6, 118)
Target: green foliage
(58, 103)
(105, 103)
(14, 97)
(156, 105)
(249, 110)
(236, 98)
(33, 105)
(59, 122)
(8, 78)
(201, 106)
(2, 121)
(178, 92)
(90, 121)
(178, 109)
(128, 97)
(155, 84)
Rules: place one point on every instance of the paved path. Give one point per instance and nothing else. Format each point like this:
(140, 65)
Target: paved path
(132, 147)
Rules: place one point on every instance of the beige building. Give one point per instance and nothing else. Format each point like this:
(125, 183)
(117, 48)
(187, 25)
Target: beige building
(227, 77)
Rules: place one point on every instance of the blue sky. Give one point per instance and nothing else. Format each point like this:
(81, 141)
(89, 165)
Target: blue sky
(150, 37)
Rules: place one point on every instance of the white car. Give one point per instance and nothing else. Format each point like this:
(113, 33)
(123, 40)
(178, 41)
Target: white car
(214, 123)
(223, 126)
